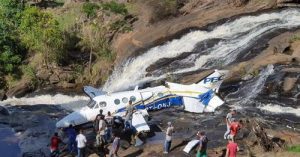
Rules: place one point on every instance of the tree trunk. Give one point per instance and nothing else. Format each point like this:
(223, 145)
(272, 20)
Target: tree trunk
(90, 62)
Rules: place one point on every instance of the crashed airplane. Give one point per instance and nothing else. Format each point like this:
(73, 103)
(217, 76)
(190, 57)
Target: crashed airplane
(197, 98)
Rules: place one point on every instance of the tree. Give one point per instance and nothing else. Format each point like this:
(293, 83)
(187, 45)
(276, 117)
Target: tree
(11, 51)
(40, 32)
(93, 39)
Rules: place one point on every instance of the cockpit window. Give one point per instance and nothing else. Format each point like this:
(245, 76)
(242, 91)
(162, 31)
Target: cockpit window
(91, 104)
(133, 98)
(103, 104)
(160, 94)
(117, 101)
(125, 100)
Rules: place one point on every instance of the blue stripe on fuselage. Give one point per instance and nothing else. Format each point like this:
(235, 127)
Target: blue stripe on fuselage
(162, 103)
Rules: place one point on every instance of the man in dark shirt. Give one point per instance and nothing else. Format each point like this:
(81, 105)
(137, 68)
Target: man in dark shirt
(203, 140)
(71, 139)
(97, 119)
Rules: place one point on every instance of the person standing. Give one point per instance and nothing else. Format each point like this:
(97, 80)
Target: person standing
(101, 132)
(128, 114)
(115, 146)
(232, 148)
(109, 121)
(71, 139)
(203, 140)
(168, 141)
(54, 145)
(81, 143)
(97, 119)
(228, 122)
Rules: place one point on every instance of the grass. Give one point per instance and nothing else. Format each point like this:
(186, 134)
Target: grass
(295, 148)
(68, 16)
(294, 38)
(115, 7)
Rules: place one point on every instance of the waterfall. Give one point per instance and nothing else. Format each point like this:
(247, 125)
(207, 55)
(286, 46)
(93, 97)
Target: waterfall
(235, 36)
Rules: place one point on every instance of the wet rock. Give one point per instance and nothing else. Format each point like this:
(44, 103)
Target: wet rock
(289, 83)
(3, 111)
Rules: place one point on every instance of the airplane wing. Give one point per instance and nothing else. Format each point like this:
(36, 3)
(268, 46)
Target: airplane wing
(190, 145)
(139, 122)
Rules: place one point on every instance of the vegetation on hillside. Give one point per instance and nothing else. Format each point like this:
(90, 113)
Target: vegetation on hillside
(62, 36)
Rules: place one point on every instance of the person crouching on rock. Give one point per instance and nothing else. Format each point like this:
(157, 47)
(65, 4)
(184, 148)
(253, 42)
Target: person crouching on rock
(203, 140)
(81, 143)
(232, 148)
(54, 145)
(228, 122)
(168, 141)
(71, 139)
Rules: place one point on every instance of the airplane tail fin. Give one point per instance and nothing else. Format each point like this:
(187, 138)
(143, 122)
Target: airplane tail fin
(214, 80)
(92, 92)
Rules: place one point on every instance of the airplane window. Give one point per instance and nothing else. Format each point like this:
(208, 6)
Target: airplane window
(91, 104)
(125, 100)
(117, 101)
(103, 104)
(133, 98)
(160, 94)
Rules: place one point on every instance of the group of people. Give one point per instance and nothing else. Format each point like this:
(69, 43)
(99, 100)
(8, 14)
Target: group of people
(233, 126)
(106, 133)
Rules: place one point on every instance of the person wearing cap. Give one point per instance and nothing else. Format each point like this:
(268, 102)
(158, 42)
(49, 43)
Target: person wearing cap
(228, 122)
(128, 115)
(232, 148)
(203, 140)
(168, 141)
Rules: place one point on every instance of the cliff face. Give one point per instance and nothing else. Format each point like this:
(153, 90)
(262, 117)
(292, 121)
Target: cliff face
(192, 14)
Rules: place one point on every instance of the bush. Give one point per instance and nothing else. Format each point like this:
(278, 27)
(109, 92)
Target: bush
(295, 148)
(90, 9)
(115, 7)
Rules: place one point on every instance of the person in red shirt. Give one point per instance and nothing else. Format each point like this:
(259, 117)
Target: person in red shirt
(55, 141)
(232, 148)
(234, 128)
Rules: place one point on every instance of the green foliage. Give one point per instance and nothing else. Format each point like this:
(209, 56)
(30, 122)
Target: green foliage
(90, 9)
(294, 38)
(40, 32)
(121, 25)
(30, 74)
(295, 148)
(10, 49)
(118, 8)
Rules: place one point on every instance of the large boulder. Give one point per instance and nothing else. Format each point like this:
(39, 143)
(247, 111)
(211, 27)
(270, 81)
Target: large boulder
(19, 90)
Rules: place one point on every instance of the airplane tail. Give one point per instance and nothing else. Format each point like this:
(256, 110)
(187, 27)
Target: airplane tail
(92, 92)
(214, 80)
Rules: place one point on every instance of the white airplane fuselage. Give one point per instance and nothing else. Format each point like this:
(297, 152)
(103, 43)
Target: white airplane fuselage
(196, 98)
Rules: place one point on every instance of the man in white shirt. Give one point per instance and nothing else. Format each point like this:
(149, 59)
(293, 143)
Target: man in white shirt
(168, 141)
(228, 122)
(101, 134)
(81, 143)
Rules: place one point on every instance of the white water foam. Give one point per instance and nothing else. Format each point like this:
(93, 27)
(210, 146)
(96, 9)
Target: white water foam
(70, 102)
(249, 91)
(237, 35)
(277, 109)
